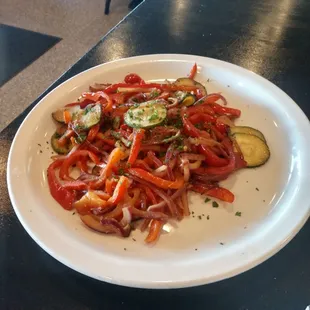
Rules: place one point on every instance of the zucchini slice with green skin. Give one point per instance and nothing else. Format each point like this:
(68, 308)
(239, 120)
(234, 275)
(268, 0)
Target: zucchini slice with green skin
(188, 101)
(87, 118)
(254, 150)
(185, 82)
(247, 130)
(56, 147)
(146, 115)
(58, 115)
(190, 82)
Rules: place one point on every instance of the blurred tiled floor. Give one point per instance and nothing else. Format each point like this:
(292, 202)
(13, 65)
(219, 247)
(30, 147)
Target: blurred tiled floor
(80, 24)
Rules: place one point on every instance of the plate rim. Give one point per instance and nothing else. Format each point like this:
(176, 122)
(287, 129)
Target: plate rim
(154, 284)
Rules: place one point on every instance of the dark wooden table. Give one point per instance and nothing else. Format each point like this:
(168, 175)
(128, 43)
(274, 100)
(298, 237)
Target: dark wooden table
(268, 37)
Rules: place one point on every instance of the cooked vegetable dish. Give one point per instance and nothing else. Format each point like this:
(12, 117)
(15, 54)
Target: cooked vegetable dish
(131, 152)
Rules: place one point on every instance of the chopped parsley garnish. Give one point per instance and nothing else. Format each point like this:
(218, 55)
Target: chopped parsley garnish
(121, 171)
(130, 113)
(116, 135)
(80, 138)
(199, 126)
(57, 135)
(215, 204)
(178, 123)
(154, 116)
(238, 213)
(207, 200)
(87, 109)
(154, 94)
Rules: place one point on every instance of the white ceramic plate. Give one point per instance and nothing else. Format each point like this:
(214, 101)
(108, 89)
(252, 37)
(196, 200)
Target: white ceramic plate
(274, 199)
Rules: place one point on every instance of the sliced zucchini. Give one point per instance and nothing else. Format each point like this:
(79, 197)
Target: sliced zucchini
(56, 147)
(185, 82)
(58, 115)
(188, 101)
(254, 150)
(247, 130)
(190, 82)
(146, 115)
(87, 118)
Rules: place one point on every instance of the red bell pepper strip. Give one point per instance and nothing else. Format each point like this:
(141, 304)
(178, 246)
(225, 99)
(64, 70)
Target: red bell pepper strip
(139, 163)
(120, 190)
(69, 161)
(136, 145)
(211, 98)
(109, 105)
(64, 138)
(205, 118)
(93, 133)
(221, 193)
(97, 96)
(193, 71)
(83, 104)
(201, 188)
(115, 157)
(211, 158)
(224, 170)
(110, 186)
(94, 97)
(63, 196)
(155, 229)
(189, 128)
(155, 161)
(224, 110)
(222, 128)
(82, 165)
(76, 185)
(106, 140)
(118, 98)
(149, 194)
(202, 108)
(159, 182)
(165, 95)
